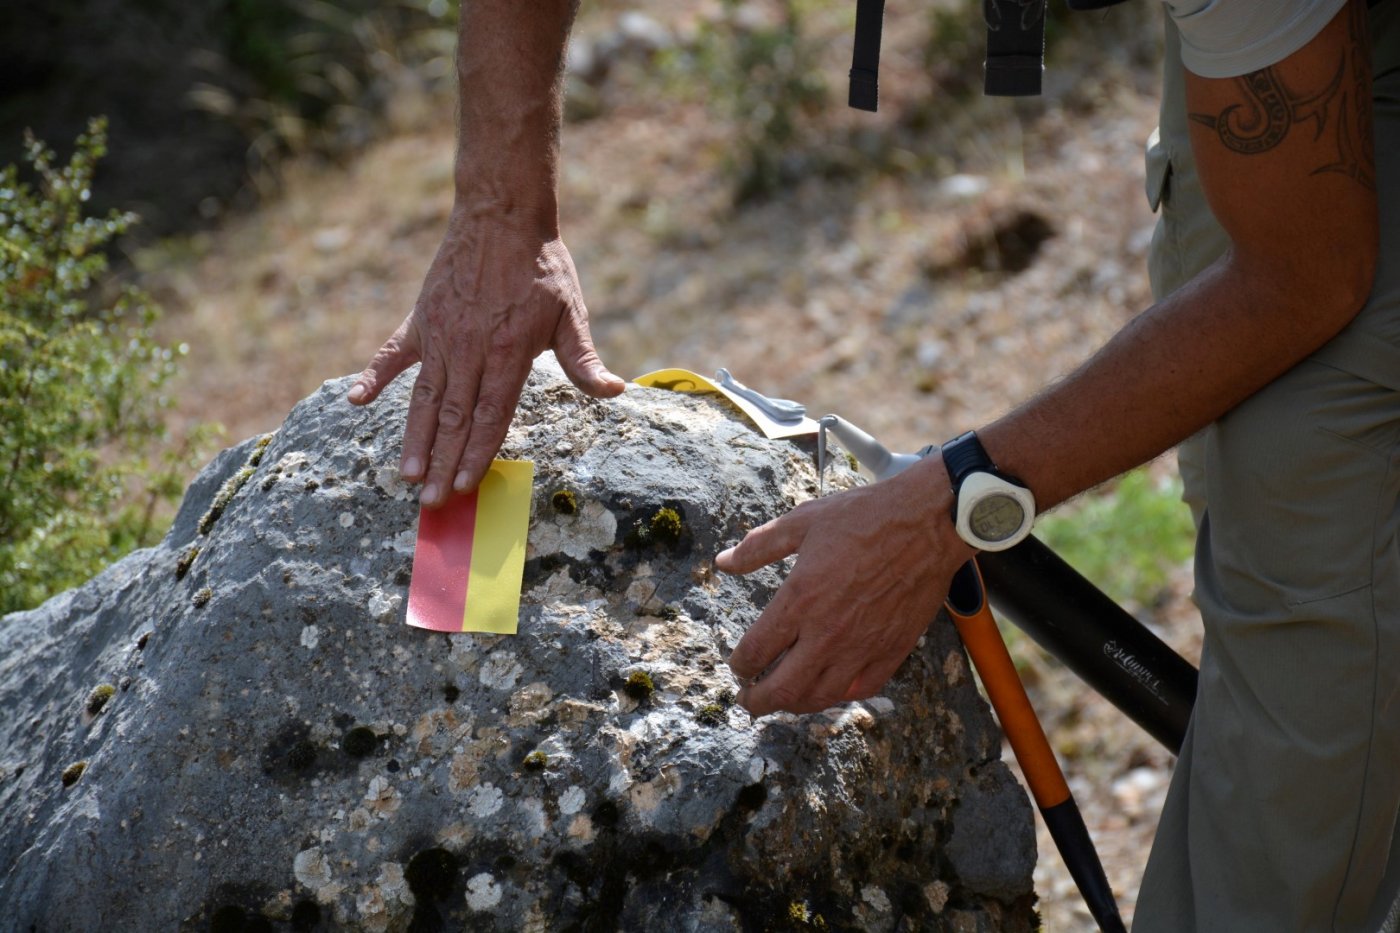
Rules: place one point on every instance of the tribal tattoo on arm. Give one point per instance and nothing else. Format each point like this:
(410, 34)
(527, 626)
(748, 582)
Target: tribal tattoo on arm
(1270, 110)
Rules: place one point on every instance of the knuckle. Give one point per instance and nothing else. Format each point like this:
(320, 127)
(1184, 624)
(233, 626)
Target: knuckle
(489, 412)
(452, 417)
(426, 393)
(785, 696)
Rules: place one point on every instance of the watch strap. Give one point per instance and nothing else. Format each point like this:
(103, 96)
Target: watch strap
(964, 455)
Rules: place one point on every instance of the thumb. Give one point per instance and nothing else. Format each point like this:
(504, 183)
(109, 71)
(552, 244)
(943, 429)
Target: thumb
(573, 345)
(393, 358)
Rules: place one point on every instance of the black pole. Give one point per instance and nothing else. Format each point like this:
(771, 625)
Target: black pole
(1094, 637)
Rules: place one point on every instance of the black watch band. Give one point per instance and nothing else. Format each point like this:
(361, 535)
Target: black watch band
(964, 455)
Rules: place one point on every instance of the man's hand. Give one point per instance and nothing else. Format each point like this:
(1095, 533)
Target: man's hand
(502, 287)
(492, 301)
(873, 569)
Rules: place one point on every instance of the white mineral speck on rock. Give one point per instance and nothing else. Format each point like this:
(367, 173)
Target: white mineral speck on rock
(500, 671)
(311, 868)
(756, 769)
(880, 706)
(483, 893)
(347, 519)
(876, 898)
(485, 800)
(571, 801)
(382, 604)
(310, 636)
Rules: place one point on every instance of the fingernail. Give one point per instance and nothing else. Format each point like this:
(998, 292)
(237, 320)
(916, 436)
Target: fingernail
(412, 467)
(357, 392)
(431, 495)
(724, 555)
(460, 483)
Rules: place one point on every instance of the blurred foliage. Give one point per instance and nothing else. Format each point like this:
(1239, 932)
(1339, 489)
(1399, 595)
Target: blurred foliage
(81, 376)
(312, 75)
(763, 77)
(1125, 540)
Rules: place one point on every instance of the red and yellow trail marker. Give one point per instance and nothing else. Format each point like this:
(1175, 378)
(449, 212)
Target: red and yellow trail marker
(470, 557)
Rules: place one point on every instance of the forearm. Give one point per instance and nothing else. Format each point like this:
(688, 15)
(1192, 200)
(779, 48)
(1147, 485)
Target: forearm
(510, 57)
(1285, 160)
(1177, 367)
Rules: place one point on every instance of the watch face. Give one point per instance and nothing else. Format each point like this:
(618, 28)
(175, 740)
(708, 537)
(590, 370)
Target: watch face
(996, 518)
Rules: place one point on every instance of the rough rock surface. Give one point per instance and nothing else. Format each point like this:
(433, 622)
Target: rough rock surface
(265, 745)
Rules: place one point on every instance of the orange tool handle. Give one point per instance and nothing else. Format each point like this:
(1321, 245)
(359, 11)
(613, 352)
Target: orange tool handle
(967, 604)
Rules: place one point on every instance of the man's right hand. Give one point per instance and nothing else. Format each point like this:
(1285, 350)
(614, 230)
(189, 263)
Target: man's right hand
(492, 301)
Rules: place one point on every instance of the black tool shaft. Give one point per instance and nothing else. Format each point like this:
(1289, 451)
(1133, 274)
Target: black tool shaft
(1071, 837)
(1094, 637)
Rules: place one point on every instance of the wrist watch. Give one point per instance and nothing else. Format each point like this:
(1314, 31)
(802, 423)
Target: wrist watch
(993, 512)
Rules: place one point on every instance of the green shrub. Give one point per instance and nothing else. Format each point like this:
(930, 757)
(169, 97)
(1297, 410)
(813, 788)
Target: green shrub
(765, 81)
(1126, 539)
(80, 386)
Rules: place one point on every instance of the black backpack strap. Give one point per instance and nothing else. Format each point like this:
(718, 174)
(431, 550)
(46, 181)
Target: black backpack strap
(865, 62)
(1015, 47)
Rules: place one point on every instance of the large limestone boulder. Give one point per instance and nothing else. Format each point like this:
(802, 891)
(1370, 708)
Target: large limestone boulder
(236, 730)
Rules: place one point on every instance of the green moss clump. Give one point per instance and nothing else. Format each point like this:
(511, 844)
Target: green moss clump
(359, 742)
(564, 502)
(259, 449)
(223, 497)
(639, 686)
(201, 598)
(73, 773)
(536, 761)
(711, 714)
(182, 566)
(852, 462)
(666, 526)
(98, 698)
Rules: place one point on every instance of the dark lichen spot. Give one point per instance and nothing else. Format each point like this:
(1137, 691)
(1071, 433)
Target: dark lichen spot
(431, 874)
(711, 714)
(305, 916)
(666, 526)
(359, 742)
(403, 577)
(606, 814)
(450, 693)
(752, 797)
(393, 766)
(535, 761)
(141, 642)
(311, 485)
(201, 598)
(302, 755)
(639, 685)
(73, 773)
(182, 566)
(98, 698)
(223, 497)
(564, 502)
(228, 919)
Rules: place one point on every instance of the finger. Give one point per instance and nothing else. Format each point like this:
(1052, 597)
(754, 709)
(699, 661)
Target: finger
(573, 346)
(495, 406)
(873, 677)
(421, 425)
(765, 544)
(450, 437)
(767, 639)
(799, 684)
(397, 354)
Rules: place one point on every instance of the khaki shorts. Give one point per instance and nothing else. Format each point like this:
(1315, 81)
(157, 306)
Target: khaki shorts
(1282, 809)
